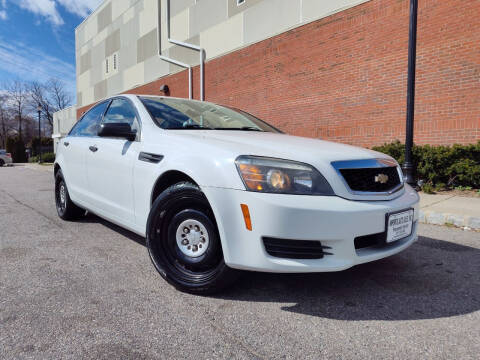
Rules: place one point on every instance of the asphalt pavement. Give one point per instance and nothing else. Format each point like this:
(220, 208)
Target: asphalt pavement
(87, 290)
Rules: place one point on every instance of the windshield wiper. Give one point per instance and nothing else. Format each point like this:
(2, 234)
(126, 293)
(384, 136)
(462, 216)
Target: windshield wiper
(190, 127)
(244, 128)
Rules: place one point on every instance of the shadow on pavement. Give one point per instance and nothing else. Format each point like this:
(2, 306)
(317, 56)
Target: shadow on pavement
(91, 218)
(432, 279)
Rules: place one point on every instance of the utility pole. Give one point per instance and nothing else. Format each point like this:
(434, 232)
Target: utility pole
(408, 167)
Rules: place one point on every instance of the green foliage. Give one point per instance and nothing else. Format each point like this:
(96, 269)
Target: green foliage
(465, 172)
(16, 147)
(441, 166)
(47, 143)
(428, 188)
(46, 158)
(463, 188)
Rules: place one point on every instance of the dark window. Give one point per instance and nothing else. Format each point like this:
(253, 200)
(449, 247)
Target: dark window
(122, 111)
(171, 114)
(88, 124)
(166, 116)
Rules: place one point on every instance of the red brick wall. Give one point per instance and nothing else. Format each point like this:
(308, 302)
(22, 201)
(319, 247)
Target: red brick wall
(343, 78)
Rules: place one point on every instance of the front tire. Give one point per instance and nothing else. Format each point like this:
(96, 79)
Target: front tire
(184, 243)
(66, 209)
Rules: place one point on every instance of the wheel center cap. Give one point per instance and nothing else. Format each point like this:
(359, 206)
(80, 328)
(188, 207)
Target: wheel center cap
(194, 237)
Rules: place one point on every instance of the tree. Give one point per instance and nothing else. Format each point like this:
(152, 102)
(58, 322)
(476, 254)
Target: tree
(17, 97)
(3, 122)
(6, 120)
(16, 147)
(51, 96)
(30, 128)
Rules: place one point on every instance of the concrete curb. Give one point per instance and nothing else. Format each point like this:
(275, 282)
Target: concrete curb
(436, 218)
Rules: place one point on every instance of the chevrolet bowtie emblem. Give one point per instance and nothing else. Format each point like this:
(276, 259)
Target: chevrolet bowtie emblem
(381, 178)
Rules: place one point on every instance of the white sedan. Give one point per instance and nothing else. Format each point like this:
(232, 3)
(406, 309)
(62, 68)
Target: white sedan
(215, 190)
(5, 158)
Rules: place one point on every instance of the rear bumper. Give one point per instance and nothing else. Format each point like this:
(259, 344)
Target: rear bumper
(333, 221)
(7, 160)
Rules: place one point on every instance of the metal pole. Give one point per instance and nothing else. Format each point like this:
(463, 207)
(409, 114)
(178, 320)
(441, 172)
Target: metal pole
(202, 75)
(39, 139)
(408, 167)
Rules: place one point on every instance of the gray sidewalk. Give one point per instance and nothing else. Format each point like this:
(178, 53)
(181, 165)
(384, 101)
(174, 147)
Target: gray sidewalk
(35, 166)
(450, 210)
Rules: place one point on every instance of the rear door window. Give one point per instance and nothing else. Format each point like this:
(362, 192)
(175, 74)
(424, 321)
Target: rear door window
(89, 123)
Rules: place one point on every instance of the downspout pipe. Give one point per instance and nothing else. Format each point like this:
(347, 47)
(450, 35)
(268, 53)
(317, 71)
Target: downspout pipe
(185, 45)
(186, 66)
(170, 60)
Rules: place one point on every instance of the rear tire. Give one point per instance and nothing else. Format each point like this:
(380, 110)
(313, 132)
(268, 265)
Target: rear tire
(66, 209)
(184, 243)
(2, 162)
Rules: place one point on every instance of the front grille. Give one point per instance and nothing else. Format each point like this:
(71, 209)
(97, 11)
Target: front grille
(295, 249)
(370, 179)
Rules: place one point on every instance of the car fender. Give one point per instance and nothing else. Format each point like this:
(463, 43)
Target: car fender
(205, 172)
(60, 162)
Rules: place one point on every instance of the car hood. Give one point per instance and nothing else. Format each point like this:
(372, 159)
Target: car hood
(279, 145)
(228, 145)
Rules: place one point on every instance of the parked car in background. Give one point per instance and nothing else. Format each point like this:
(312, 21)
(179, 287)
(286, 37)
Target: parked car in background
(215, 190)
(5, 158)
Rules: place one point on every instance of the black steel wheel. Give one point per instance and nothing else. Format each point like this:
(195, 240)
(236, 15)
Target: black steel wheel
(183, 241)
(66, 209)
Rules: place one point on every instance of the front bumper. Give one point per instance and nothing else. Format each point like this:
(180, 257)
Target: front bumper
(332, 220)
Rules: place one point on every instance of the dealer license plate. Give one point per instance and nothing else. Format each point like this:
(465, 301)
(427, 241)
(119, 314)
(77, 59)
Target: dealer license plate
(399, 225)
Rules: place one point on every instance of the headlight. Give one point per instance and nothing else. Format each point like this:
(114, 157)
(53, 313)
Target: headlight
(262, 174)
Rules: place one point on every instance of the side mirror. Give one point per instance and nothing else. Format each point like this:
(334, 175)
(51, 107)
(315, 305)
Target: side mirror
(118, 130)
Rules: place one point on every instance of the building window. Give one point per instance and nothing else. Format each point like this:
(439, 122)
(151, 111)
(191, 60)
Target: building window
(106, 66)
(115, 62)
(240, 2)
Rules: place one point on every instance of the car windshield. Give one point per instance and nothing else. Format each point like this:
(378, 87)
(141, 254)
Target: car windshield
(180, 114)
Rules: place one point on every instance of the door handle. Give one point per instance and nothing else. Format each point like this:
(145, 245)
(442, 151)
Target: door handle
(66, 143)
(93, 148)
